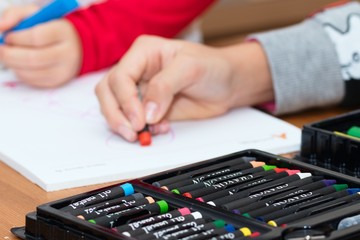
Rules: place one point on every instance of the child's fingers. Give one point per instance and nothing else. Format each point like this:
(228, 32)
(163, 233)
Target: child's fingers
(49, 77)
(163, 88)
(40, 35)
(29, 58)
(14, 15)
(112, 112)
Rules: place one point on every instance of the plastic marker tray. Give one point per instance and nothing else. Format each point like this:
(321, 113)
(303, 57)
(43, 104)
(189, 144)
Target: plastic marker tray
(50, 222)
(321, 146)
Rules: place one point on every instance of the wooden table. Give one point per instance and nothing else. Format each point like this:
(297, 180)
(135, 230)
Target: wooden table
(18, 196)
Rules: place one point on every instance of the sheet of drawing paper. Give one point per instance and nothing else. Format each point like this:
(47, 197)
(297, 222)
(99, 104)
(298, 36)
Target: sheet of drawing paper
(58, 138)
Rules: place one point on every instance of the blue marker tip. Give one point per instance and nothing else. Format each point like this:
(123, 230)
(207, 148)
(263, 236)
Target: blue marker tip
(128, 189)
(54, 10)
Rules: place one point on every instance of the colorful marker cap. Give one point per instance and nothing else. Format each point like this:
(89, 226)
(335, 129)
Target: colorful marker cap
(219, 223)
(272, 223)
(230, 228)
(268, 167)
(184, 211)
(246, 231)
(164, 207)
(128, 189)
(354, 131)
(352, 191)
(175, 191)
(144, 138)
(187, 195)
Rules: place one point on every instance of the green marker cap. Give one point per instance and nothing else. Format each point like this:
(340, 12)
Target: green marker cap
(354, 131)
(247, 215)
(175, 191)
(164, 207)
(219, 223)
(268, 167)
(92, 221)
(339, 187)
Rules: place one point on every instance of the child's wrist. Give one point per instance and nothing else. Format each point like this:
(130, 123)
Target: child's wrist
(251, 77)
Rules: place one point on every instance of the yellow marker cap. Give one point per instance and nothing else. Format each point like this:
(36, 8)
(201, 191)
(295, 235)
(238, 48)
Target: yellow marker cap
(272, 223)
(246, 231)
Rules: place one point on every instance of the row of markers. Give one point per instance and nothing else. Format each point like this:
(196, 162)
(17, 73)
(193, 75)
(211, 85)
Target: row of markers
(251, 188)
(244, 186)
(132, 214)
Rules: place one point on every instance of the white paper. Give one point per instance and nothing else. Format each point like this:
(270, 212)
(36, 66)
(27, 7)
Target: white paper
(58, 139)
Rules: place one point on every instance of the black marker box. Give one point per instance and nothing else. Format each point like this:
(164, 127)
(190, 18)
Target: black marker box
(321, 146)
(48, 222)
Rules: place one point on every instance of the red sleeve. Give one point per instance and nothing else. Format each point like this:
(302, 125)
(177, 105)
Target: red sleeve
(107, 29)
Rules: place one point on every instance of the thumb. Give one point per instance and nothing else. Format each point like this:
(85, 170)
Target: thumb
(14, 15)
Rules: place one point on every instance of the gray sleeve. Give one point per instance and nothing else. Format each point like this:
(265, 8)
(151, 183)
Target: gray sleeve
(304, 64)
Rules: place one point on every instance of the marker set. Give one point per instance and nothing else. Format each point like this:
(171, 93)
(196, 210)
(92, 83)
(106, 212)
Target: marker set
(244, 195)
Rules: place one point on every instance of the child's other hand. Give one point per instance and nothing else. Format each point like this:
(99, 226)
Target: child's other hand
(179, 80)
(46, 55)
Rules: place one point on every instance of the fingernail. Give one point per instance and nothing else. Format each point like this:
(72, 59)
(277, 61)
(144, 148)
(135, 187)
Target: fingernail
(150, 111)
(127, 133)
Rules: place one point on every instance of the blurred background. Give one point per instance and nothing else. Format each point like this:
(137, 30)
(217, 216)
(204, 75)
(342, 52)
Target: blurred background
(230, 20)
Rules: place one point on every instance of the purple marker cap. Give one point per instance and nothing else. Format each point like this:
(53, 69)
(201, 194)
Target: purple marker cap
(329, 182)
(236, 211)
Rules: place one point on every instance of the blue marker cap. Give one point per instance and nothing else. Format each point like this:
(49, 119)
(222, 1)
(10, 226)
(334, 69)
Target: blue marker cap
(352, 191)
(128, 189)
(54, 10)
(230, 228)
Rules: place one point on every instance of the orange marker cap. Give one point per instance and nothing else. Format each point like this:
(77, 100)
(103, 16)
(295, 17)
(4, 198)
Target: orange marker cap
(144, 138)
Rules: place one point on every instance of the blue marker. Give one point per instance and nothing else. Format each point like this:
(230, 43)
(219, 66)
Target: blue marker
(54, 10)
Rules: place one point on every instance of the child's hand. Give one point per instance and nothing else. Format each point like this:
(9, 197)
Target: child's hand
(47, 55)
(180, 80)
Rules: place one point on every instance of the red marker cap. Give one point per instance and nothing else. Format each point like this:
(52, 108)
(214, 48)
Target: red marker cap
(144, 138)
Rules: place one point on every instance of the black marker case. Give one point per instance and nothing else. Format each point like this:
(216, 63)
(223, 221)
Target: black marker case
(319, 146)
(322, 147)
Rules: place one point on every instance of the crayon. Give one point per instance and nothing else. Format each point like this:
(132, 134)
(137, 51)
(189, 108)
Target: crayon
(118, 191)
(336, 203)
(211, 233)
(166, 224)
(264, 207)
(172, 229)
(273, 195)
(264, 182)
(261, 191)
(270, 175)
(213, 181)
(205, 171)
(306, 205)
(202, 227)
(116, 208)
(53, 10)
(112, 202)
(221, 172)
(243, 232)
(119, 218)
(151, 220)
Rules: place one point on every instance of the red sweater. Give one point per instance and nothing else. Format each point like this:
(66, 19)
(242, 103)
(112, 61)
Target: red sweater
(107, 29)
